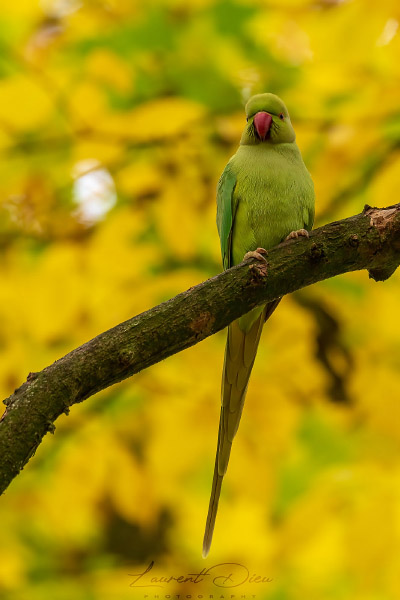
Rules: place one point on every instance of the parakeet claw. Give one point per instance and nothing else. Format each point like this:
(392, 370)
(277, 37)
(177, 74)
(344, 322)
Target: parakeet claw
(259, 254)
(293, 235)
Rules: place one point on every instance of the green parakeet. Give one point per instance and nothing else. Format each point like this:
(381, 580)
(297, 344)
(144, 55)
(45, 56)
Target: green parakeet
(265, 195)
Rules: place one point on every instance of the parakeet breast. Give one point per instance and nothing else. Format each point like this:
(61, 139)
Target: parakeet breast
(275, 196)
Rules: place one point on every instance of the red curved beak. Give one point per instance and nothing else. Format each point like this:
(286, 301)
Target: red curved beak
(262, 123)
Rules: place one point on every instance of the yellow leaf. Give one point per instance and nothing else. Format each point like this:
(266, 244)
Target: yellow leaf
(24, 104)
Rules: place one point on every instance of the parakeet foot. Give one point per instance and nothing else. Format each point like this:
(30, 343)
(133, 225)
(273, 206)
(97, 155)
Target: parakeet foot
(258, 254)
(293, 235)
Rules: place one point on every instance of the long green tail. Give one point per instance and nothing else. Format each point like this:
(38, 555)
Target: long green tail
(240, 352)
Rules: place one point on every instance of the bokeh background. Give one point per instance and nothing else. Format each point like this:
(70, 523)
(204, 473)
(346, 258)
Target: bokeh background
(116, 120)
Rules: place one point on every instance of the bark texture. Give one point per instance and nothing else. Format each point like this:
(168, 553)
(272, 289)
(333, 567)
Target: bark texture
(370, 240)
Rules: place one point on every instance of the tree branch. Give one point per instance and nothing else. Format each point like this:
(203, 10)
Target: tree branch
(370, 240)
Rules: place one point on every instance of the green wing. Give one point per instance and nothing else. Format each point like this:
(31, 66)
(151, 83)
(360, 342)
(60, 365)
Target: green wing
(308, 214)
(226, 209)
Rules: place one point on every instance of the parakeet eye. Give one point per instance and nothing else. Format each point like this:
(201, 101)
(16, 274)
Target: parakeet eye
(281, 117)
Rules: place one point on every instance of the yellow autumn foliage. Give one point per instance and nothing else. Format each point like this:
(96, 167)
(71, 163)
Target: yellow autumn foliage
(116, 120)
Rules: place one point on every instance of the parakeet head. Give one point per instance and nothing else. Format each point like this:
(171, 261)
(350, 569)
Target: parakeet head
(268, 121)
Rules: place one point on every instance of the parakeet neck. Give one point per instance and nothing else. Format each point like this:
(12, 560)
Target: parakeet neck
(263, 151)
